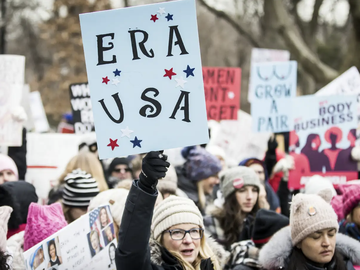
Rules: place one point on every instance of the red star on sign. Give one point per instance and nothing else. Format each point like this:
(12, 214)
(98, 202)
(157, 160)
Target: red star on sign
(105, 80)
(154, 18)
(169, 73)
(113, 144)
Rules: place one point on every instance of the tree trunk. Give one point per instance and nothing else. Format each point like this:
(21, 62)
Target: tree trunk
(3, 27)
(355, 15)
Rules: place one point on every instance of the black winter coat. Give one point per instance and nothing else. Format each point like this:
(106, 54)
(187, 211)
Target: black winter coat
(133, 251)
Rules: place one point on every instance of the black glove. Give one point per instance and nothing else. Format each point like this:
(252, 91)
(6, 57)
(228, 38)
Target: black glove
(272, 144)
(154, 167)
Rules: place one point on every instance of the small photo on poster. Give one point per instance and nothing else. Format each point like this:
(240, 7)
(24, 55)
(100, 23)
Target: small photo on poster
(111, 250)
(104, 216)
(54, 254)
(37, 261)
(94, 242)
(108, 234)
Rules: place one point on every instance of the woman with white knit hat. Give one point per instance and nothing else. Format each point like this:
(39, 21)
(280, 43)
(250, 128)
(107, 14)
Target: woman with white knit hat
(175, 228)
(311, 241)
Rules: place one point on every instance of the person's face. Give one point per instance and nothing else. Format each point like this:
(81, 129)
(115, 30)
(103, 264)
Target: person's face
(52, 251)
(259, 170)
(356, 215)
(41, 254)
(109, 234)
(7, 176)
(187, 248)
(95, 241)
(315, 144)
(112, 252)
(103, 217)
(247, 197)
(209, 183)
(122, 172)
(319, 246)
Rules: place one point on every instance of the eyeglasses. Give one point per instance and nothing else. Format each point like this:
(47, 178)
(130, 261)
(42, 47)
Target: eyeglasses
(122, 170)
(179, 234)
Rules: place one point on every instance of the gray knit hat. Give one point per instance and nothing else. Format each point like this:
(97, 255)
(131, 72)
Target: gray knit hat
(80, 188)
(237, 177)
(173, 211)
(310, 213)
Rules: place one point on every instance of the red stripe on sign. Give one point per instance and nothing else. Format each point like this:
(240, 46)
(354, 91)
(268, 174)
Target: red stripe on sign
(41, 167)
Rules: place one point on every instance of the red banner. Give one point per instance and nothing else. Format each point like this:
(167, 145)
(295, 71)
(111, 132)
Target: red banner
(222, 92)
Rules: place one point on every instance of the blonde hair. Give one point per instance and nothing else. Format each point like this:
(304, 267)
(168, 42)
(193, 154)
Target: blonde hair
(201, 194)
(204, 253)
(89, 163)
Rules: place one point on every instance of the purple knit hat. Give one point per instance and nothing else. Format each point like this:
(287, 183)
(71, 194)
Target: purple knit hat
(200, 164)
(351, 198)
(42, 222)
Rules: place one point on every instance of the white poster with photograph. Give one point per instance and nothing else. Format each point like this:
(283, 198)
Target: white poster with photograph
(12, 69)
(87, 243)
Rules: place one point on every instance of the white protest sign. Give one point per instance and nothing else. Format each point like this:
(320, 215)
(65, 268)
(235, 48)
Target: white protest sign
(145, 76)
(238, 140)
(47, 156)
(266, 55)
(38, 112)
(273, 86)
(88, 243)
(25, 103)
(12, 69)
(347, 83)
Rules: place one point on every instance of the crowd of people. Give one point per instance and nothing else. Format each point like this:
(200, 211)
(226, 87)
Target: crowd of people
(203, 214)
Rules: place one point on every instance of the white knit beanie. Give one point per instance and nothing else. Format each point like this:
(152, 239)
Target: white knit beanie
(310, 213)
(237, 177)
(116, 198)
(317, 183)
(173, 211)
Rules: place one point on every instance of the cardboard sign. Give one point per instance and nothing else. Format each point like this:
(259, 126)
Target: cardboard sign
(81, 108)
(87, 243)
(38, 112)
(325, 133)
(144, 69)
(12, 69)
(273, 86)
(266, 55)
(347, 83)
(222, 92)
(47, 156)
(238, 140)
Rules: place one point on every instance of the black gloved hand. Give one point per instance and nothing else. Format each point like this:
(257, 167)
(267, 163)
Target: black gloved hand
(272, 144)
(154, 167)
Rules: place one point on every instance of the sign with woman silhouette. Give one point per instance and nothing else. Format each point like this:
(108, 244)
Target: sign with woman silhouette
(323, 137)
(146, 85)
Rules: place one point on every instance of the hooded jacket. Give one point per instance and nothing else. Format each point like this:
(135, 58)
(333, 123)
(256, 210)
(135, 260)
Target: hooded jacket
(275, 254)
(135, 251)
(271, 196)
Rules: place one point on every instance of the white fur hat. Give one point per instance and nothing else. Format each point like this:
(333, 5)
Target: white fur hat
(317, 183)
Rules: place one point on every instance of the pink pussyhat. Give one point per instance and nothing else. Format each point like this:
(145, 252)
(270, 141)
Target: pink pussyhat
(42, 222)
(5, 212)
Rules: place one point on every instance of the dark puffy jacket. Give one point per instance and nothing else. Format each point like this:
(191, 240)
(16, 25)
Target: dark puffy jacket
(133, 251)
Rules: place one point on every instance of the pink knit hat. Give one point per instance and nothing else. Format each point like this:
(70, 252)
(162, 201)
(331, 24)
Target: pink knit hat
(42, 222)
(5, 212)
(351, 198)
(6, 163)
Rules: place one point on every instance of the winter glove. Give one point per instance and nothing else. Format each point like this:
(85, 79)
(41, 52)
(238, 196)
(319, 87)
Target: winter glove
(272, 144)
(355, 153)
(284, 165)
(154, 167)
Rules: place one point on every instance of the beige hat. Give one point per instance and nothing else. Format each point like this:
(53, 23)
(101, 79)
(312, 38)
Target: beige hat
(237, 177)
(169, 182)
(310, 213)
(173, 211)
(116, 198)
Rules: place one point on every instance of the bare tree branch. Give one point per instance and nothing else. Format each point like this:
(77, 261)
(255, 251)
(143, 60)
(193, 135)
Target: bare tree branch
(315, 20)
(298, 48)
(237, 25)
(299, 22)
(126, 3)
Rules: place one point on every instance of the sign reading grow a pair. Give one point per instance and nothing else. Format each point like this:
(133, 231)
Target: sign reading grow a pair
(144, 70)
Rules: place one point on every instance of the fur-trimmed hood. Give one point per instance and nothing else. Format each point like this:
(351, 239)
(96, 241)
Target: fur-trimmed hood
(221, 254)
(276, 252)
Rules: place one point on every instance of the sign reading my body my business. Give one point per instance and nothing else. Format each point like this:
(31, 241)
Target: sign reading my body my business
(144, 70)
